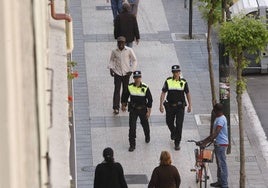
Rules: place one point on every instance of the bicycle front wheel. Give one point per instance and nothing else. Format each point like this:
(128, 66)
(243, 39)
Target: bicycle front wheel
(202, 177)
(199, 175)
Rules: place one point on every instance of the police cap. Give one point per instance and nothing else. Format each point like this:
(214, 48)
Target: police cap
(136, 74)
(175, 68)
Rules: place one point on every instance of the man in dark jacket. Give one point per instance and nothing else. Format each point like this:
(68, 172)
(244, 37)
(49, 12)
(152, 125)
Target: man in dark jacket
(109, 174)
(126, 25)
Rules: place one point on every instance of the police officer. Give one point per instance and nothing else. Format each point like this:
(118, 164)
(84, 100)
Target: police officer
(176, 88)
(139, 106)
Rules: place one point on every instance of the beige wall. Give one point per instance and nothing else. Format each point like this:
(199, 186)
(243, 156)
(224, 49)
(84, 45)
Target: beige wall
(24, 97)
(41, 25)
(20, 147)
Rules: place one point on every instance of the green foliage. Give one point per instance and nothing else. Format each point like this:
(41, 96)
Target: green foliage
(241, 86)
(71, 64)
(244, 34)
(71, 74)
(211, 10)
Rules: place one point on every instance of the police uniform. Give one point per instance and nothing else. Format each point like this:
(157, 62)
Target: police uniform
(140, 100)
(175, 104)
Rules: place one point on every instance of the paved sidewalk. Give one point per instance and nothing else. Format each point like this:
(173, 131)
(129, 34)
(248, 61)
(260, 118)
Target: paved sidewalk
(163, 24)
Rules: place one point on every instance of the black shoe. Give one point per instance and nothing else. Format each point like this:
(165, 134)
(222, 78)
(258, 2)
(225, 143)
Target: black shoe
(172, 137)
(131, 148)
(216, 184)
(147, 139)
(177, 147)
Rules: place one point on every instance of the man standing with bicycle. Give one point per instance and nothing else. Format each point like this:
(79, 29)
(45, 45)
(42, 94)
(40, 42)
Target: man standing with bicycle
(220, 135)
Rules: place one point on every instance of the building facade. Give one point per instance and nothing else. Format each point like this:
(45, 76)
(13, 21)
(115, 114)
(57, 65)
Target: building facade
(34, 132)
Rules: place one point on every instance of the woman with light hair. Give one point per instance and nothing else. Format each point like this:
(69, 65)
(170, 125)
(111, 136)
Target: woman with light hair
(165, 175)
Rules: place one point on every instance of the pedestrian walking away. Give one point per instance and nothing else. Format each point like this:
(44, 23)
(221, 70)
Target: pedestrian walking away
(139, 106)
(126, 25)
(165, 175)
(109, 174)
(122, 63)
(176, 87)
(133, 6)
(116, 6)
(220, 138)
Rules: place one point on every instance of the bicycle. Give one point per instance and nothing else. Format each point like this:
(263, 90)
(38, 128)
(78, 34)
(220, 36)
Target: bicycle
(203, 156)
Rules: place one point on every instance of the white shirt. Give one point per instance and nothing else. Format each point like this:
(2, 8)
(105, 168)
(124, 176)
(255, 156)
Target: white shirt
(122, 62)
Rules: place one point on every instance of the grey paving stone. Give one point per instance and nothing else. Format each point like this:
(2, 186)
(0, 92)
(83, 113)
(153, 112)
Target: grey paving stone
(97, 127)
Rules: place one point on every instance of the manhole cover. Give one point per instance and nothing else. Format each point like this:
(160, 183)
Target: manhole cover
(88, 169)
(136, 179)
(248, 159)
(103, 8)
(185, 37)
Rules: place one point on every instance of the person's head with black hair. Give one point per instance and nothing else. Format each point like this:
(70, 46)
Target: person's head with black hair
(218, 108)
(126, 7)
(108, 155)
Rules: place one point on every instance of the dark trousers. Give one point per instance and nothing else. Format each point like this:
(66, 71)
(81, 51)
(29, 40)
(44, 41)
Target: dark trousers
(175, 114)
(118, 81)
(133, 116)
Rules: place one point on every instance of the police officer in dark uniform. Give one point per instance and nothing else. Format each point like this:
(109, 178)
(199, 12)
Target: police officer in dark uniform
(139, 106)
(176, 88)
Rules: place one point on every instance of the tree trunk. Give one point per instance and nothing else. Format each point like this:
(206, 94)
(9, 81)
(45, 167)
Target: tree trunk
(210, 65)
(239, 92)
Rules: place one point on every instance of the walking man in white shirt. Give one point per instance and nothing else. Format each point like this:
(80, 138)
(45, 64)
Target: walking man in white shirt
(122, 63)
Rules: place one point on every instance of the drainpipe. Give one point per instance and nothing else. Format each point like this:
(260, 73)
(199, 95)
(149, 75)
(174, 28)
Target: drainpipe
(69, 26)
(59, 16)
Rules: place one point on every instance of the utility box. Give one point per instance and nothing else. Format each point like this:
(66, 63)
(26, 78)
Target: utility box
(257, 8)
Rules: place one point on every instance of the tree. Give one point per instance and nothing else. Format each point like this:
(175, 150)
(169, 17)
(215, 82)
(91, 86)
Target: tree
(243, 35)
(212, 13)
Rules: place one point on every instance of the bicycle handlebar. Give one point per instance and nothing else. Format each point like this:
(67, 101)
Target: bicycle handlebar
(199, 145)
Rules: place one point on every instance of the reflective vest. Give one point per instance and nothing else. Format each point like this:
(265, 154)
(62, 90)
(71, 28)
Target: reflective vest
(176, 84)
(137, 91)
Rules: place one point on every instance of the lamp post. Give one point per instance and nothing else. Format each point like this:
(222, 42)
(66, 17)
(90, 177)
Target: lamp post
(191, 19)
